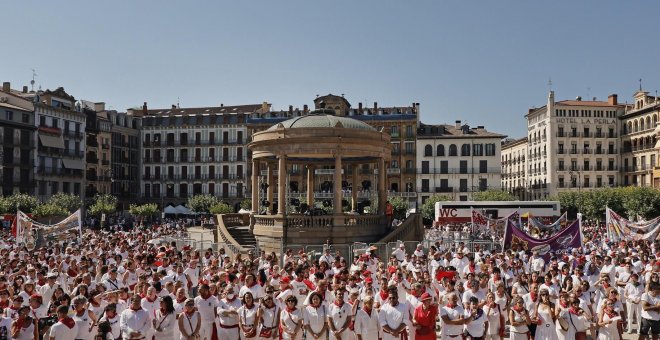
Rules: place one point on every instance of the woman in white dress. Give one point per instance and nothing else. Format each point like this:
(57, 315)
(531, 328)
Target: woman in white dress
(291, 320)
(545, 318)
(190, 322)
(316, 316)
(519, 318)
(607, 322)
(247, 315)
(164, 320)
(268, 318)
(494, 313)
(561, 316)
(23, 327)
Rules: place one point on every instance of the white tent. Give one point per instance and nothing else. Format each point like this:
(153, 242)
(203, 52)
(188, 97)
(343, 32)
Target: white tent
(170, 210)
(180, 209)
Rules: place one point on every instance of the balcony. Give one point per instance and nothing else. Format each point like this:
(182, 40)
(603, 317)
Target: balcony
(92, 142)
(105, 146)
(599, 151)
(49, 171)
(393, 171)
(587, 151)
(612, 151)
(444, 189)
(574, 151)
(73, 153)
(73, 134)
(92, 159)
(105, 162)
(91, 177)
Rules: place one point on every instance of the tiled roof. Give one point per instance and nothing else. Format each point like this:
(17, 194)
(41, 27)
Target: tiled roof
(450, 131)
(205, 110)
(322, 121)
(585, 103)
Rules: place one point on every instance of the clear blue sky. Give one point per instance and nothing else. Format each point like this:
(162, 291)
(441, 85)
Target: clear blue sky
(485, 62)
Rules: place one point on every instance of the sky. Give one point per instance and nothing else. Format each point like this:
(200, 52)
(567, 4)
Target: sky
(483, 62)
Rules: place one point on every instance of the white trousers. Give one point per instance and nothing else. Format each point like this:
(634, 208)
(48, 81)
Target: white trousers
(637, 309)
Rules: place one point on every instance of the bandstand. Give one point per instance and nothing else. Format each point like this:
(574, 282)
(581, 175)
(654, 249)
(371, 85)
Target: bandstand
(336, 158)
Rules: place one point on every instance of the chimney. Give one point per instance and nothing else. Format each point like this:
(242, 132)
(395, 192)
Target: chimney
(612, 99)
(290, 110)
(305, 108)
(25, 89)
(264, 106)
(144, 108)
(99, 107)
(458, 124)
(6, 86)
(173, 106)
(222, 105)
(375, 106)
(578, 98)
(360, 107)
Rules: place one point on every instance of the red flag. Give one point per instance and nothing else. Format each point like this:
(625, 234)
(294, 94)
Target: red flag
(439, 275)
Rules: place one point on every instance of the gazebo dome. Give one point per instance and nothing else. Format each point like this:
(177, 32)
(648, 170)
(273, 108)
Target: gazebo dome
(320, 119)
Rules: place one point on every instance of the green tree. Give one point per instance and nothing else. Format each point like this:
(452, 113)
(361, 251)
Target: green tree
(68, 202)
(246, 204)
(5, 205)
(103, 204)
(493, 195)
(221, 208)
(400, 206)
(428, 208)
(641, 201)
(201, 203)
(144, 210)
(50, 210)
(24, 202)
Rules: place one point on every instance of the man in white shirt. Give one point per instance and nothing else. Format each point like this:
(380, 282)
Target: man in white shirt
(651, 312)
(134, 322)
(394, 316)
(112, 283)
(452, 318)
(206, 306)
(46, 291)
(536, 263)
(65, 328)
(633, 295)
(193, 274)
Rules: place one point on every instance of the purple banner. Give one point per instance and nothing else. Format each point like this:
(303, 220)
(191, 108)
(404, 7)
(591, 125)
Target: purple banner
(560, 243)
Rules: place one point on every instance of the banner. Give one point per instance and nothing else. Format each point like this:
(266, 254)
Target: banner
(35, 234)
(481, 222)
(620, 228)
(562, 242)
(556, 226)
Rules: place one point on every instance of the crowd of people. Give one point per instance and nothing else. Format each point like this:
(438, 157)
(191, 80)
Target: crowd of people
(126, 285)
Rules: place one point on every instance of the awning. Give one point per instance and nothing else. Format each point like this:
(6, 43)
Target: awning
(73, 164)
(52, 142)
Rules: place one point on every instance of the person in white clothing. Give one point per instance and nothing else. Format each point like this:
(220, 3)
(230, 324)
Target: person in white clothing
(65, 328)
(227, 319)
(452, 316)
(206, 306)
(291, 320)
(164, 321)
(109, 323)
(366, 320)
(268, 318)
(247, 316)
(339, 317)
(394, 316)
(633, 296)
(651, 312)
(315, 316)
(134, 321)
(190, 322)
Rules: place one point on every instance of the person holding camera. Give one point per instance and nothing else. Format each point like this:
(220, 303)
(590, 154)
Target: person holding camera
(65, 328)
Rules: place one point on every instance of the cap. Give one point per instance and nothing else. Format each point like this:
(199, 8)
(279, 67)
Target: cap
(366, 273)
(369, 280)
(425, 296)
(285, 279)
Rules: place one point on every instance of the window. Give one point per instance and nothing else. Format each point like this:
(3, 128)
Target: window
(42, 120)
(483, 184)
(444, 167)
(463, 168)
(483, 166)
(410, 148)
(428, 150)
(409, 131)
(9, 115)
(26, 118)
(463, 185)
(440, 150)
(465, 150)
(453, 150)
(425, 167)
(478, 150)
(490, 149)
(394, 131)
(55, 123)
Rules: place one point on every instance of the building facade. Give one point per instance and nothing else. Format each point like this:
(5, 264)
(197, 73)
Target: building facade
(125, 160)
(17, 132)
(191, 151)
(457, 160)
(97, 143)
(638, 139)
(572, 144)
(60, 162)
(514, 167)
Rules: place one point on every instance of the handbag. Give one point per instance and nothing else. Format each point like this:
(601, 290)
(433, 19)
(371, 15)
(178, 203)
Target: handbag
(579, 335)
(267, 332)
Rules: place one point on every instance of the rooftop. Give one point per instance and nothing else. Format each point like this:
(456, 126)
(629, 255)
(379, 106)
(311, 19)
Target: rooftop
(425, 131)
(320, 119)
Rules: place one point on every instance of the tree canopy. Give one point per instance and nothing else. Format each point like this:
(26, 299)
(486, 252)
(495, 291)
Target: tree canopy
(493, 195)
(24, 202)
(68, 202)
(201, 203)
(627, 201)
(428, 208)
(221, 208)
(144, 210)
(103, 204)
(400, 206)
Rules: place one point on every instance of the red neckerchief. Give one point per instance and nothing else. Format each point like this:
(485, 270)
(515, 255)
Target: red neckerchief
(611, 315)
(69, 322)
(290, 310)
(180, 300)
(472, 267)
(14, 308)
(299, 278)
(150, 299)
(534, 296)
(517, 309)
(384, 295)
(339, 304)
(573, 311)
(563, 304)
(4, 305)
(415, 294)
(189, 314)
(367, 311)
(451, 305)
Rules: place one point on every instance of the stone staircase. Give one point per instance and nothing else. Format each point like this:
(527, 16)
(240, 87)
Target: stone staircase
(243, 236)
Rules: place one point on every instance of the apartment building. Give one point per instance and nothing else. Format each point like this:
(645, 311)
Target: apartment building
(457, 160)
(572, 145)
(638, 139)
(17, 132)
(190, 151)
(125, 160)
(514, 168)
(97, 144)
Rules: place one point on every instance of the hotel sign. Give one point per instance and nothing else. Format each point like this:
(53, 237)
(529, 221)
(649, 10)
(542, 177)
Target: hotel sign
(587, 121)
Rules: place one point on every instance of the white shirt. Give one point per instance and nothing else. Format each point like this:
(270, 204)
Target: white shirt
(315, 317)
(653, 301)
(452, 314)
(476, 326)
(206, 308)
(228, 306)
(367, 324)
(338, 315)
(394, 316)
(634, 294)
(114, 325)
(60, 331)
(134, 321)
